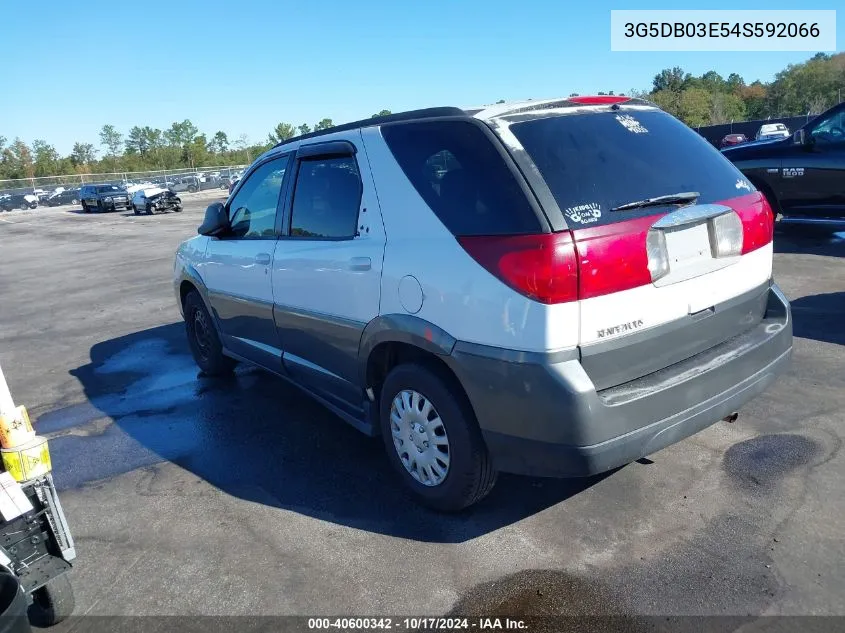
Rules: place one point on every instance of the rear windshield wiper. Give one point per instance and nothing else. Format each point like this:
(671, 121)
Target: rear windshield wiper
(672, 198)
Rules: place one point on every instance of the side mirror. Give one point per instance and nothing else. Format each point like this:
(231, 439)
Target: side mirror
(802, 138)
(216, 220)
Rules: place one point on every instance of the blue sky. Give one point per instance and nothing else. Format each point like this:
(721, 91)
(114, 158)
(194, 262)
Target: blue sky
(241, 67)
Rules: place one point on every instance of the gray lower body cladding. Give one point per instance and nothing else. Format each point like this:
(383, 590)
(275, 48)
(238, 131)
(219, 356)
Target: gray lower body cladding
(546, 417)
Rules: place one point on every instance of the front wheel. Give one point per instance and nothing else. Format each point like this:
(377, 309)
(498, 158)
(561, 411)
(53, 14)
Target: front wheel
(135, 210)
(52, 603)
(149, 209)
(432, 438)
(178, 209)
(24, 206)
(74, 201)
(203, 339)
(85, 208)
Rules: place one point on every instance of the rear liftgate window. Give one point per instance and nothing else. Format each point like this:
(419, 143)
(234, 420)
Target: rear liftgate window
(595, 162)
(462, 178)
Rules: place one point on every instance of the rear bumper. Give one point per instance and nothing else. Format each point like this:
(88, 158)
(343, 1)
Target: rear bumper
(544, 416)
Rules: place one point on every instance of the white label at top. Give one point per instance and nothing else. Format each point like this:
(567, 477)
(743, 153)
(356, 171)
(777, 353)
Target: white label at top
(723, 30)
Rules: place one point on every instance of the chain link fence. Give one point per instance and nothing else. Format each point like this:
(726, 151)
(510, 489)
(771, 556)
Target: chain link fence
(186, 179)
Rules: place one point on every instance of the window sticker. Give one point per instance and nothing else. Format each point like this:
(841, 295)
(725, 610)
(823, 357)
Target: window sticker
(631, 124)
(584, 213)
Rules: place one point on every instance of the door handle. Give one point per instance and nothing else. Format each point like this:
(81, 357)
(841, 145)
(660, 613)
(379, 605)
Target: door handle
(360, 263)
(262, 259)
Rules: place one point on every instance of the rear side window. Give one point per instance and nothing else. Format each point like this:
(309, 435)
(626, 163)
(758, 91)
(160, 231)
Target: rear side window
(462, 178)
(595, 162)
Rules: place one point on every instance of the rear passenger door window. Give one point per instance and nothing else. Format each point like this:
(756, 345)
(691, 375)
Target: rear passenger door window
(326, 199)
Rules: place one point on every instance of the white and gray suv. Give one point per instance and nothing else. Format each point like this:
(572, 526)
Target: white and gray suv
(553, 288)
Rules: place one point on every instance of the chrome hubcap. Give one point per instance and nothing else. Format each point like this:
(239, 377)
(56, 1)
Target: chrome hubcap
(419, 437)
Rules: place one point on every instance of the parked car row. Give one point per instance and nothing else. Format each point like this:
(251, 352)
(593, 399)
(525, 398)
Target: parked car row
(60, 195)
(767, 132)
(18, 201)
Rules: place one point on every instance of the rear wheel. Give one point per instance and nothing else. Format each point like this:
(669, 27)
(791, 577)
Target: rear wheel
(52, 603)
(149, 209)
(432, 438)
(203, 339)
(24, 205)
(85, 208)
(135, 210)
(74, 201)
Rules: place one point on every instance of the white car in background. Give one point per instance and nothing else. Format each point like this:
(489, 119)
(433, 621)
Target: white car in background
(153, 198)
(771, 131)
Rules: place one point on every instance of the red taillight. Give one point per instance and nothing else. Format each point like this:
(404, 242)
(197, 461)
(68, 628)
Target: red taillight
(591, 262)
(599, 99)
(613, 257)
(541, 267)
(757, 220)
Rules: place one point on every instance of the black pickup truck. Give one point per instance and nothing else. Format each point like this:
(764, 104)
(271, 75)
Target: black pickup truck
(802, 175)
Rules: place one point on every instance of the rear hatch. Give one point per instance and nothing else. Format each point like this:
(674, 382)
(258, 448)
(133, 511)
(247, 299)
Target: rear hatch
(672, 243)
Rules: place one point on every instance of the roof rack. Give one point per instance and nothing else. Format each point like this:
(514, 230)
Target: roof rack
(425, 113)
(536, 105)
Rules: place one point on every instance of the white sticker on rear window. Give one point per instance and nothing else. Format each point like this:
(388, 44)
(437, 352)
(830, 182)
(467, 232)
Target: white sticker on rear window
(631, 124)
(584, 213)
(743, 184)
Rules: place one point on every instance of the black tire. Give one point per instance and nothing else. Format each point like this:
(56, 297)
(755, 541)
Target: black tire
(74, 201)
(471, 475)
(177, 209)
(203, 339)
(53, 603)
(135, 209)
(149, 209)
(192, 189)
(85, 208)
(24, 205)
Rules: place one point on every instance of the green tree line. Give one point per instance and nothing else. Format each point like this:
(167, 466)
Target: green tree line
(143, 149)
(808, 87)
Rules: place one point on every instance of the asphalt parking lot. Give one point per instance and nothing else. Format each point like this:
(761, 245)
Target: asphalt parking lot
(188, 495)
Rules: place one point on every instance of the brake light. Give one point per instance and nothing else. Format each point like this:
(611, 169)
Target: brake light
(615, 257)
(595, 261)
(757, 220)
(599, 99)
(541, 267)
